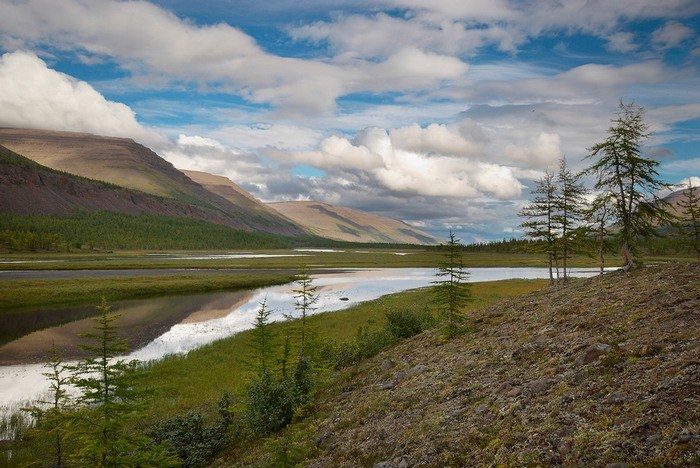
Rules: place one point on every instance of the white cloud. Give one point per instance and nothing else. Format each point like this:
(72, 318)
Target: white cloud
(196, 140)
(432, 162)
(671, 34)
(32, 95)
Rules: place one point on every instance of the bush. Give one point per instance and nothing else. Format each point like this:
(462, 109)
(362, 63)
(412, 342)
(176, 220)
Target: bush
(193, 440)
(272, 402)
(405, 324)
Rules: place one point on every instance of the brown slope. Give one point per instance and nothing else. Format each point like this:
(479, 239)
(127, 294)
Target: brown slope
(345, 224)
(29, 188)
(601, 373)
(128, 164)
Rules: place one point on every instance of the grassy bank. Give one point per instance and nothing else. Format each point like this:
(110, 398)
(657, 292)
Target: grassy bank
(21, 295)
(366, 257)
(181, 383)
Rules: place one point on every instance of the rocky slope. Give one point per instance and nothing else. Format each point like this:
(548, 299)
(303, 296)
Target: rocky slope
(603, 372)
(345, 224)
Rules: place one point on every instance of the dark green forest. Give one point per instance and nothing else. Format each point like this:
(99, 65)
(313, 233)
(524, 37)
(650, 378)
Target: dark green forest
(106, 230)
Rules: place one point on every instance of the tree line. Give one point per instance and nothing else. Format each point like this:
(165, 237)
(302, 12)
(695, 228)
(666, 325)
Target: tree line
(624, 208)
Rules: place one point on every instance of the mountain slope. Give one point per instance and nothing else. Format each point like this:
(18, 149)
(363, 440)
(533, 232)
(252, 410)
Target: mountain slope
(603, 372)
(345, 224)
(128, 164)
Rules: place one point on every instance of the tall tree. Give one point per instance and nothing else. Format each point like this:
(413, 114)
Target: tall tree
(262, 336)
(598, 216)
(631, 179)
(110, 398)
(541, 222)
(51, 416)
(452, 290)
(690, 211)
(305, 296)
(569, 208)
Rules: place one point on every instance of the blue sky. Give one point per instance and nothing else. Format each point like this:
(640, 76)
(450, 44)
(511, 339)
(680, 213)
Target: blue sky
(441, 113)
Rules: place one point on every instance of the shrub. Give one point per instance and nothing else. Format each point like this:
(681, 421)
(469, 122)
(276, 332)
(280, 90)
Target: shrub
(193, 440)
(271, 403)
(405, 324)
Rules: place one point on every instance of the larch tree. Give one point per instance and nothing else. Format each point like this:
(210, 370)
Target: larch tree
(110, 397)
(540, 223)
(569, 209)
(690, 216)
(598, 216)
(452, 290)
(631, 179)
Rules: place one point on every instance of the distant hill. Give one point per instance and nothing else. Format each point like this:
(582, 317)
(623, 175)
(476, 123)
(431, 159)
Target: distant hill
(673, 199)
(345, 224)
(127, 164)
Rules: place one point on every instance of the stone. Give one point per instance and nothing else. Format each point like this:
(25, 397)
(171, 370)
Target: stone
(684, 438)
(516, 391)
(539, 386)
(652, 439)
(592, 353)
(387, 364)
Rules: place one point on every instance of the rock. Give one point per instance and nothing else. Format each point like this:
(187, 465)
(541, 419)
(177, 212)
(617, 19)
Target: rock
(616, 398)
(592, 353)
(617, 465)
(344, 298)
(385, 464)
(516, 391)
(652, 439)
(540, 386)
(387, 364)
(684, 438)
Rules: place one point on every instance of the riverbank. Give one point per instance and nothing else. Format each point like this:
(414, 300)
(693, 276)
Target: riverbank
(603, 372)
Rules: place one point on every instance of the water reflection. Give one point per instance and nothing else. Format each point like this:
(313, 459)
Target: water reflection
(158, 327)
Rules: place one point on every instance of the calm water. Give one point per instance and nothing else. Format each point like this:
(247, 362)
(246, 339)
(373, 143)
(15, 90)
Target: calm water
(158, 327)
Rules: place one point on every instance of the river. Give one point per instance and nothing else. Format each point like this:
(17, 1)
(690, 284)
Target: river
(162, 326)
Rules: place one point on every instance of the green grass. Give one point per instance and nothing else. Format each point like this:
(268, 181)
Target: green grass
(198, 379)
(19, 295)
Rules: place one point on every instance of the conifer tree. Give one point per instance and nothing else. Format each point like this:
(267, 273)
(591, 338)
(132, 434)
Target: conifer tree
(110, 398)
(452, 290)
(598, 215)
(690, 211)
(305, 296)
(569, 208)
(51, 416)
(541, 221)
(631, 179)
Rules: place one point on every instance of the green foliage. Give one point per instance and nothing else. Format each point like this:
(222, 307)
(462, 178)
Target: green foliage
(191, 438)
(407, 323)
(111, 230)
(109, 399)
(262, 337)
(631, 180)
(51, 418)
(305, 296)
(271, 402)
(540, 223)
(690, 211)
(452, 291)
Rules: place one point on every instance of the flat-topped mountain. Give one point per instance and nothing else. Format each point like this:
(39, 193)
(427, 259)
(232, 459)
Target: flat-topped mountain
(345, 224)
(125, 163)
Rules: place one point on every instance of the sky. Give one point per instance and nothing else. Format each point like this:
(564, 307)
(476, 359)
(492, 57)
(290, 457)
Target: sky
(440, 113)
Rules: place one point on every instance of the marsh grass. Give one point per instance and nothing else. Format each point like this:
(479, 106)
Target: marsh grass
(199, 378)
(19, 295)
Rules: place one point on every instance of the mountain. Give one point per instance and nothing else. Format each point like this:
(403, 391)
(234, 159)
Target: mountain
(675, 198)
(156, 186)
(345, 224)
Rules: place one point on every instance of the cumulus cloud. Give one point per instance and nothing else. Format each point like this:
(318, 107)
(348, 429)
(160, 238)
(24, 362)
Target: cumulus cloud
(671, 34)
(432, 162)
(35, 96)
(218, 56)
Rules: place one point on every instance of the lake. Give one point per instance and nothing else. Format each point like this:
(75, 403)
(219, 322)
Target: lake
(162, 326)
